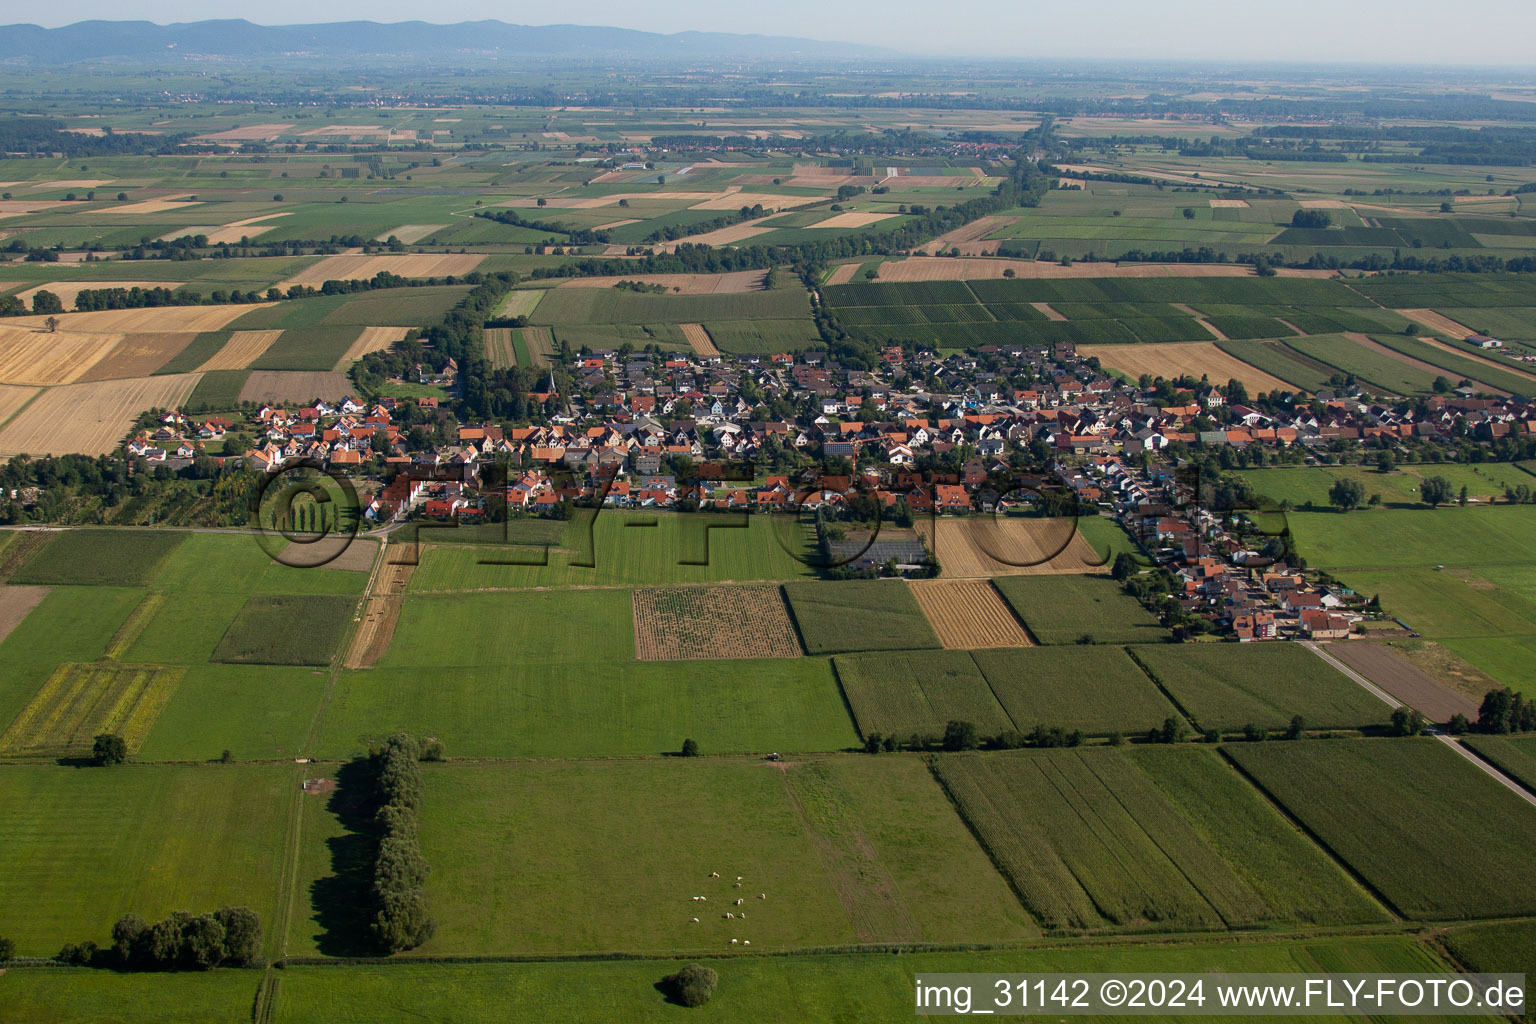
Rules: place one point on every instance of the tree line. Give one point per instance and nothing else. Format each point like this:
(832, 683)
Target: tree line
(400, 918)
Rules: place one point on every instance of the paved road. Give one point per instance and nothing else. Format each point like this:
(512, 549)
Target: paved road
(1435, 731)
(1377, 691)
(1488, 769)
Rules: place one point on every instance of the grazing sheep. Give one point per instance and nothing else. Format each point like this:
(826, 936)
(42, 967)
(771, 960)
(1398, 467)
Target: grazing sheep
(714, 874)
(730, 917)
(740, 902)
(695, 920)
(736, 886)
(738, 878)
(734, 941)
(746, 942)
(762, 895)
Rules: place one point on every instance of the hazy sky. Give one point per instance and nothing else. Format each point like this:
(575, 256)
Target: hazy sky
(1394, 31)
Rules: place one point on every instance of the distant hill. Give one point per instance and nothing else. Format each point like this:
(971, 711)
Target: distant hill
(95, 40)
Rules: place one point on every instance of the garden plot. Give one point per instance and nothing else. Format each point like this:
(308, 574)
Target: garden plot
(691, 623)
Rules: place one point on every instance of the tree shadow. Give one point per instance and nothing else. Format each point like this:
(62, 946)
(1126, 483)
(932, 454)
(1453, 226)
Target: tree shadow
(343, 901)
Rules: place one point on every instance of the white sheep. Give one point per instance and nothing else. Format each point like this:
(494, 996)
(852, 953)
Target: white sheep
(734, 941)
(714, 874)
(746, 942)
(762, 895)
(738, 878)
(695, 920)
(740, 902)
(730, 917)
(736, 886)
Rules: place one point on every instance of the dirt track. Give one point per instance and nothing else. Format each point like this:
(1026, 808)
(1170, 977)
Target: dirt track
(381, 612)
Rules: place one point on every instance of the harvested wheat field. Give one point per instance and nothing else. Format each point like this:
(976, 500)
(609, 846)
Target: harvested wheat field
(22, 207)
(968, 615)
(247, 133)
(179, 201)
(985, 547)
(1229, 204)
(498, 348)
(694, 623)
(295, 386)
(139, 355)
(975, 231)
(91, 419)
(30, 355)
(409, 233)
(844, 273)
(733, 200)
(241, 350)
(594, 202)
(151, 319)
(949, 268)
(1049, 313)
(373, 339)
(853, 219)
(360, 267)
(724, 236)
(12, 398)
(1176, 358)
(699, 339)
(16, 603)
(227, 234)
(67, 290)
(1437, 322)
(616, 224)
(685, 284)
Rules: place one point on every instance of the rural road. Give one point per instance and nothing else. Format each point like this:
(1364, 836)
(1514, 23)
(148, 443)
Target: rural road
(1508, 783)
(1380, 694)
(1435, 731)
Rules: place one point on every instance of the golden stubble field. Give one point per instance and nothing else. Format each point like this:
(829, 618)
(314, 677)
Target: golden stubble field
(90, 418)
(968, 615)
(1177, 358)
(984, 546)
(361, 268)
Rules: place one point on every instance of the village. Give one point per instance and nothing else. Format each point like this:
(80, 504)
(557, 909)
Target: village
(926, 435)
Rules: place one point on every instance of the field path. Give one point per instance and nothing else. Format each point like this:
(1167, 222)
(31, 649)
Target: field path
(1050, 314)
